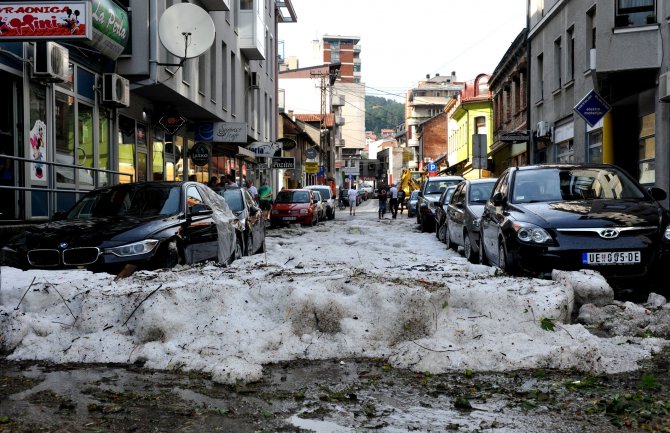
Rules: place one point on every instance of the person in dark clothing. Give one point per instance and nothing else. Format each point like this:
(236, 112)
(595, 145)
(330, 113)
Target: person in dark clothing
(382, 197)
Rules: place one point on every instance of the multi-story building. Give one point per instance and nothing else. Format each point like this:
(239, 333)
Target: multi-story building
(343, 51)
(423, 102)
(508, 85)
(471, 130)
(590, 56)
(116, 106)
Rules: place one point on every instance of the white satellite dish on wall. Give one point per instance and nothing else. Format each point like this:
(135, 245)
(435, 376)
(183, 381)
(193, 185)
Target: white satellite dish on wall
(186, 30)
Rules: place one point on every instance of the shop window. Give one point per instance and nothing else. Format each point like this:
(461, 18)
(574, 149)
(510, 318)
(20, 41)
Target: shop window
(84, 155)
(64, 131)
(595, 146)
(126, 149)
(157, 156)
(647, 147)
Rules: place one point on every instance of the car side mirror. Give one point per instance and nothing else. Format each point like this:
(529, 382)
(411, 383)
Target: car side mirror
(656, 193)
(498, 199)
(200, 209)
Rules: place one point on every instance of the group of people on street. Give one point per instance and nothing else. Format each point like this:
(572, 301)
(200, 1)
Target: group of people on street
(394, 196)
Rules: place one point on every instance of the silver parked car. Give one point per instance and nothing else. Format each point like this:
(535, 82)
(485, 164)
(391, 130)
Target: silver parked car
(328, 199)
(412, 202)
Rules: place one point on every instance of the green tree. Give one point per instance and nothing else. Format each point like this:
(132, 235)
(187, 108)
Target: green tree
(382, 113)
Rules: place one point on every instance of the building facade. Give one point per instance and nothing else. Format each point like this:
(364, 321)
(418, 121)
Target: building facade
(509, 87)
(123, 108)
(611, 53)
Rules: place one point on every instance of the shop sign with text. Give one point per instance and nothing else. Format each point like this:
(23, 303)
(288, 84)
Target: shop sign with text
(222, 132)
(45, 20)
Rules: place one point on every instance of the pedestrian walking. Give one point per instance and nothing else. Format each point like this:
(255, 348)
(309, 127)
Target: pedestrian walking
(393, 201)
(265, 199)
(382, 197)
(252, 190)
(401, 199)
(351, 196)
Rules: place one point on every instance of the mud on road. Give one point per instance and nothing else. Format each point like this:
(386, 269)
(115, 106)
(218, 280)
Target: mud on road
(331, 396)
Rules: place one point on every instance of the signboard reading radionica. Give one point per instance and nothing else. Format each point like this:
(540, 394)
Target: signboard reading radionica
(45, 20)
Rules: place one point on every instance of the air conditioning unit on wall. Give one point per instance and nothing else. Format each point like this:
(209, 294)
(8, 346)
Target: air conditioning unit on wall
(115, 90)
(51, 62)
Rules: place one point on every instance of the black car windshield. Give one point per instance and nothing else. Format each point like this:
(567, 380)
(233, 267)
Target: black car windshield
(139, 201)
(438, 186)
(575, 183)
(480, 192)
(233, 199)
(292, 197)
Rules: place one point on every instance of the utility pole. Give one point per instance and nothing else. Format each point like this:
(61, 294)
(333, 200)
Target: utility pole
(326, 81)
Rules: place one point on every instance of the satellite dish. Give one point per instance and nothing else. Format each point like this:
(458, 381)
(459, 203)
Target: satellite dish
(186, 30)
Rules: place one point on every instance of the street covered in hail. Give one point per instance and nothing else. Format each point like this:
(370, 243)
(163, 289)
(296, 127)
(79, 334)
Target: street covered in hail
(354, 287)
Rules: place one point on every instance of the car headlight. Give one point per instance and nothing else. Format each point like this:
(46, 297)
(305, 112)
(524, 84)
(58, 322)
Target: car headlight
(666, 235)
(134, 249)
(531, 234)
(303, 211)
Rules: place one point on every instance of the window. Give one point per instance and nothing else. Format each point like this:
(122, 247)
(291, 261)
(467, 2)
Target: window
(558, 53)
(570, 58)
(590, 33)
(635, 13)
(225, 73)
(212, 73)
(233, 84)
(565, 151)
(480, 125)
(647, 146)
(595, 146)
(540, 77)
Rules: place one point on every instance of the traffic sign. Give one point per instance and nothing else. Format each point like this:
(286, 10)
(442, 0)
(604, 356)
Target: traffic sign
(432, 167)
(592, 107)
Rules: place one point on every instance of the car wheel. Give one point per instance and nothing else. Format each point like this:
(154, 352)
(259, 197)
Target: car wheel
(447, 238)
(467, 249)
(169, 257)
(249, 245)
(441, 232)
(503, 259)
(239, 250)
(482, 254)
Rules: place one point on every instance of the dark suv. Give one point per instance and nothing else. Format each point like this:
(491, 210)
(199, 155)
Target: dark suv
(429, 194)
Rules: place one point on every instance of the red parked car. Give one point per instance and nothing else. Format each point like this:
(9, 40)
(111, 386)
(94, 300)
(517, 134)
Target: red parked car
(293, 206)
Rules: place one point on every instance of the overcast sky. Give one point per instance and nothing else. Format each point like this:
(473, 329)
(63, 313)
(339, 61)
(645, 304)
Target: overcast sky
(402, 41)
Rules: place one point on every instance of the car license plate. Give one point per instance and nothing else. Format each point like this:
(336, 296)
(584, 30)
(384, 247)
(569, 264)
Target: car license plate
(289, 218)
(611, 258)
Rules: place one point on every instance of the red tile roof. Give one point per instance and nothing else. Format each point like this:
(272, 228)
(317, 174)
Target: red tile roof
(311, 118)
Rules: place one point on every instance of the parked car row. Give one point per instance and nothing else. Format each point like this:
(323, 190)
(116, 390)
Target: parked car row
(534, 219)
(150, 225)
(306, 206)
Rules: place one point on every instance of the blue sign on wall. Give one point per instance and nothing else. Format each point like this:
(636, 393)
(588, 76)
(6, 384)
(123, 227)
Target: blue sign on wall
(432, 167)
(592, 107)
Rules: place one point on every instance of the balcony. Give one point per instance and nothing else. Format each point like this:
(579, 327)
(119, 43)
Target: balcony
(252, 34)
(216, 5)
(339, 120)
(338, 101)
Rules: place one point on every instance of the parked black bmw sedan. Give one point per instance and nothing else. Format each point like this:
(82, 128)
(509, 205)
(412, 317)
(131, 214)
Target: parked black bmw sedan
(575, 216)
(148, 224)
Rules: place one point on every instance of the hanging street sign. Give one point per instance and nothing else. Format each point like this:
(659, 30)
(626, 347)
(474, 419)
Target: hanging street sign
(311, 152)
(311, 167)
(266, 148)
(592, 107)
(283, 163)
(200, 154)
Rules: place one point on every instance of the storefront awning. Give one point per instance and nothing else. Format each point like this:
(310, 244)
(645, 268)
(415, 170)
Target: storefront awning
(246, 154)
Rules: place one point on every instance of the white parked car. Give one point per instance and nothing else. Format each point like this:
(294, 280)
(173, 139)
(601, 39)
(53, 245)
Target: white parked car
(327, 197)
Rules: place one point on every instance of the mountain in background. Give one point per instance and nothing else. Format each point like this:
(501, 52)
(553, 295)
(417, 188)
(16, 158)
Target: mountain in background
(382, 113)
